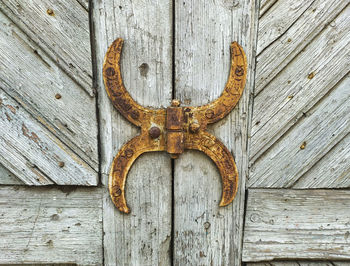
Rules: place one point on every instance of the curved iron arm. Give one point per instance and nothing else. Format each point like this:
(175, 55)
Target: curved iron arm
(222, 106)
(222, 158)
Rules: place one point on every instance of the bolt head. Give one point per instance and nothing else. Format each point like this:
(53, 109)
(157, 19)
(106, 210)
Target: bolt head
(154, 132)
(175, 103)
(194, 127)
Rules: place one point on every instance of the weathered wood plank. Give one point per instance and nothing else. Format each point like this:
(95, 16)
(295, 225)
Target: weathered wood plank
(278, 19)
(297, 88)
(39, 86)
(265, 5)
(142, 237)
(332, 171)
(204, 233)
(299, 224)
(294, 37)
(84, 4)
(7, 178)
(299, 263)
(49, 225)
(61, 29)
(34, 154)
(301, 148)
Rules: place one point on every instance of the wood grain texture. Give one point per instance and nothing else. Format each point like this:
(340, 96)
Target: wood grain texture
(49, 225)
(283, 35)
(53, 102)
(205, 234)
(143, 237)
(299, 263)
(298, 150)
(265, 5)
(275, 23)
(7, 178)
(331, 171)
(34, 154)
(61, 29)
(301, 94)
(297, 224)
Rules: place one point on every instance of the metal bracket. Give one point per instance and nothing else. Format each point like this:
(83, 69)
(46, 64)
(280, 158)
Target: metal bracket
(173, 129)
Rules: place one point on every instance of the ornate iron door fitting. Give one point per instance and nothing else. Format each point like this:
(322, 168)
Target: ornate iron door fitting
(175, 128)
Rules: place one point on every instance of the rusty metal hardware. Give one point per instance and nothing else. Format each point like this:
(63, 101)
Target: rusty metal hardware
(175, 128)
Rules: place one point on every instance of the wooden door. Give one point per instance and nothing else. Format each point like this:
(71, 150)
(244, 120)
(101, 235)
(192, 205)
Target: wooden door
(289, 133)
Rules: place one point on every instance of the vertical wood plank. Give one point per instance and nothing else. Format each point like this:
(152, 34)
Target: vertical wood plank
(205, 234)
(142, 237)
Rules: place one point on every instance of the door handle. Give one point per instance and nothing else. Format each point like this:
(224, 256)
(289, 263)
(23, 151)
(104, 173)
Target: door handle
(175, 128)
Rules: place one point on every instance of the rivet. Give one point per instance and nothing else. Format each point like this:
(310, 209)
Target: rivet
(154, 132)
(175, 103)
(129, 153)
(118, 192)
(110, 71)
(61, 164)
(194, 127)
(209, 114)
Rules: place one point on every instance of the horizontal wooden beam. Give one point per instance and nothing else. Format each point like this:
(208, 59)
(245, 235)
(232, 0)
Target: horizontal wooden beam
(47, 225)
(297, 224)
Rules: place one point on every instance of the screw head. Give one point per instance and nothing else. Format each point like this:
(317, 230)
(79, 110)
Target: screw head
(154, 132)
(194, 127)
(175, 103)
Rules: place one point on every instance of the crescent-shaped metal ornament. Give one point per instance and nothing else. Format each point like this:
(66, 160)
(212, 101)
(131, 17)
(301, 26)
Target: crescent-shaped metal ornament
(174, 129)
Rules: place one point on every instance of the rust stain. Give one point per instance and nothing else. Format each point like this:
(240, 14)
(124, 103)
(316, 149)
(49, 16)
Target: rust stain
(12, 109)
(175, 128)
(8, 117)
(34, 137)
(311, 75)
(50, 12)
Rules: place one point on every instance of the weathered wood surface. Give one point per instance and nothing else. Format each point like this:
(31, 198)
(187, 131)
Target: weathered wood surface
(34, 154)
(49, 225)
(53, 103)
(61, 29)
(322, 128)
(7, 178)
(291, 34)
(298, 224)
(265, 5)
(310, 92)
(205, 233)
(331, 171)
(144, 236)
(299, 263)
(273, 24)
